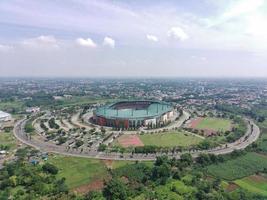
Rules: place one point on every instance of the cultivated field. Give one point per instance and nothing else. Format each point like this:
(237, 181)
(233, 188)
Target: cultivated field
(170, 139)
(214, 124)
(255, 184)
(240, 167)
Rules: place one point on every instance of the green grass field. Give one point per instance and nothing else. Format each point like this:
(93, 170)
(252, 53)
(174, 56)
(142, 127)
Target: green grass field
(7, 139)
(79, 171)
(12, 105)
(254, 186)
(240, 167)
(215, 124)
(170, 139)
(122, 163)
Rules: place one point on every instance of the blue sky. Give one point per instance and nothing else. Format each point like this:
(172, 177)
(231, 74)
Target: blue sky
(218, 38)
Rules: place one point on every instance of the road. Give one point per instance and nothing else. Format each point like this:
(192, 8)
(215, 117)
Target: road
(38, 142)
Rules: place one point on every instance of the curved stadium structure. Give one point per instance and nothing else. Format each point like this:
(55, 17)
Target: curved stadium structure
(134, 114)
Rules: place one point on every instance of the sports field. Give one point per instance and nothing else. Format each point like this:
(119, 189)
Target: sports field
(215, 124)
(255, 184)
(79, 171)
(129, 140)
(170, 139)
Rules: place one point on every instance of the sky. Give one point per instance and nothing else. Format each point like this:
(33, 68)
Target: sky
(141, 38)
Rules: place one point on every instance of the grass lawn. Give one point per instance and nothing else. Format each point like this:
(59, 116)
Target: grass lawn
(7, 139)
(12, 105)
(215, 124)
(79, 171)
(252, 184)
(80, 100)
(240, 167)
(121, 163)
(170, 139)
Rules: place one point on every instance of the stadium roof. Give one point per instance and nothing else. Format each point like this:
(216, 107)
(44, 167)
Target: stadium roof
(156, 108)
(4, 114)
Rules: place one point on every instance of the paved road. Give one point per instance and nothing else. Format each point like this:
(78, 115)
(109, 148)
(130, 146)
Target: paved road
(39, 143)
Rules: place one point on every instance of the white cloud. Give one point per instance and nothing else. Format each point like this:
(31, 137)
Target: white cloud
(177, 33)
(86, 42)
(43, 41)
(109, 42)
(243, 7)
(152, 38)
(5, 48)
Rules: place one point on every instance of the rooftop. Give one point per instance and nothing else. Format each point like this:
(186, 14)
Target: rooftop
(134, 109)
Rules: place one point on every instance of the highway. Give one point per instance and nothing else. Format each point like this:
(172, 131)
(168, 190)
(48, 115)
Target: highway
(39, 142)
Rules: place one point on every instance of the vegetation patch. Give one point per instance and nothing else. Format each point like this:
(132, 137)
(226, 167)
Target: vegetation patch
(7, 141)
(255, 184)
(239, 167)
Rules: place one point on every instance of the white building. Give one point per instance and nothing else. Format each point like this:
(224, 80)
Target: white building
(4, 117)
(33, 110)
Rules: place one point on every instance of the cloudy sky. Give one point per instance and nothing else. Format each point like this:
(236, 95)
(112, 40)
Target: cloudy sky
(178, 38)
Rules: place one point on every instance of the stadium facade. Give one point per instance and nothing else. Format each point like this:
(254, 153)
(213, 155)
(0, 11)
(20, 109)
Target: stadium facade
(134, 114)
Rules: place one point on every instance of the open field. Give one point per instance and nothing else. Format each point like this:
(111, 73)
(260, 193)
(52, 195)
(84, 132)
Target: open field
(79, 171)
(12, 106)
(215, 124)
(114, 164)
(83, 173)
(7, 139)
(255, 184)
(240, 167)
(170, 139)
(80, 100)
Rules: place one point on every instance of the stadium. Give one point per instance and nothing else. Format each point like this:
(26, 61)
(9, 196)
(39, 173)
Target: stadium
(134, 114)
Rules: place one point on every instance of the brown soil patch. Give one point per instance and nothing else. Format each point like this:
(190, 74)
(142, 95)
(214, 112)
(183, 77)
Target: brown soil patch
(258, 178)
(231, 187)
(207, 132)
(95, 185)
(195, 122)
(130, 141)
(108, 163)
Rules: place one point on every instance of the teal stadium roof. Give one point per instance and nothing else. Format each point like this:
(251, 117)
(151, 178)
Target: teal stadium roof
(152, 110)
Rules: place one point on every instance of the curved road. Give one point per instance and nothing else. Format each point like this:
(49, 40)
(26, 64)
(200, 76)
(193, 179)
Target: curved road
(39, 143)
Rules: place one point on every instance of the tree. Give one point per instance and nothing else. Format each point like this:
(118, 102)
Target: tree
(49, 168)
(78, 143)
(94, 195)
(115, 190)
(186, 159)
(102, 147)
